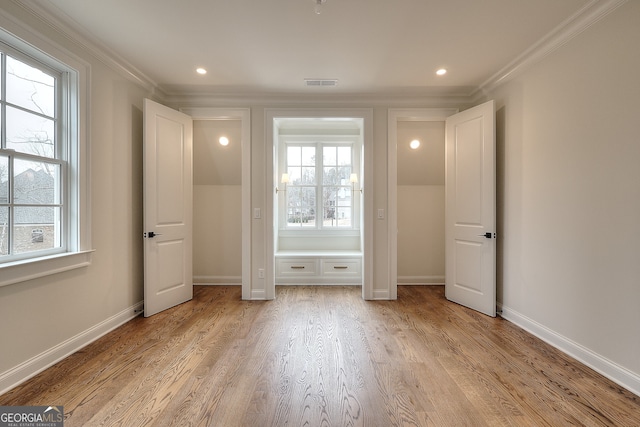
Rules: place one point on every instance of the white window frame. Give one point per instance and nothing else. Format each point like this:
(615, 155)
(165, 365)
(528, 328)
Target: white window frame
(319, 141)
(28, 45)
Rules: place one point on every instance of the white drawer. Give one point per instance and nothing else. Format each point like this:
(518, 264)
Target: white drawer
(344, 267)
(287, 267)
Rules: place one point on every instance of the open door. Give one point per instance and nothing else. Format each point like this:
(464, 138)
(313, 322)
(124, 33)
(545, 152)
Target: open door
(470, 218)
(168, 193)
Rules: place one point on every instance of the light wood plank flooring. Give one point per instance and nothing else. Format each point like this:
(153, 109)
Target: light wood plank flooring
(321, 356)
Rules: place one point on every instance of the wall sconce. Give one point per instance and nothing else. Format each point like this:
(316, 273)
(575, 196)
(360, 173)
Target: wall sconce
(284, 180)
(353, 179)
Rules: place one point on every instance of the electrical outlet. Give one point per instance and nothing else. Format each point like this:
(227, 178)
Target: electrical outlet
(261, 273)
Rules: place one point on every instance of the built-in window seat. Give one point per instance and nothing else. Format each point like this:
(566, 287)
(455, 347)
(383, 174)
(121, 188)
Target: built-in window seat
(319, 266)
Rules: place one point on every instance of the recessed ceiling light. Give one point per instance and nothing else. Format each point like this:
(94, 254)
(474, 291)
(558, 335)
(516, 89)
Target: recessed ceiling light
(441, 72)
(224, 141)
(414, 144)
(201, 70)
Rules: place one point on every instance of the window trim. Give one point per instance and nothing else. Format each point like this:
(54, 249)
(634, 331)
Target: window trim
(74, 101)
(354, 141)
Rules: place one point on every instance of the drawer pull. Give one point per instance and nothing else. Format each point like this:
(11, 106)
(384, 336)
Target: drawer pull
(340, 267)
(297, 267)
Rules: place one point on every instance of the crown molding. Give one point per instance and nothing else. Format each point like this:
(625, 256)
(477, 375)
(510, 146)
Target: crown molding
(591, 13)
(317, 100)
(60, 22)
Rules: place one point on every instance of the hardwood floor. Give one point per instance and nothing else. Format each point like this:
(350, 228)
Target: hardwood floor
(321, 356)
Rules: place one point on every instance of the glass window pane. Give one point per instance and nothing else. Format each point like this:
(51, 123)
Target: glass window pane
(329, 156)
(30, 88)
(36, 228)
(344, 156)
(36, 183)
(337, 209)
(309, 203)
(337, 175)
(295, 174)
(28, 133)
(343, 197)
(301, 204)
(308, 175)
(343, 217)
(4, 230)
(330, 176)
(4, 179)
(308, 156)
(294, 156)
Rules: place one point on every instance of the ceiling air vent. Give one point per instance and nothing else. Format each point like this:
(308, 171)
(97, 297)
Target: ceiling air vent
(321, 82)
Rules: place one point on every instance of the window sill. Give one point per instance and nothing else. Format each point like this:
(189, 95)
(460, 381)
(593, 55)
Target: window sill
(21, 271)
(301, 232)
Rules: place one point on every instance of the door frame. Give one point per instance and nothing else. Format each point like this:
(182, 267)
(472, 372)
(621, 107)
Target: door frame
(244, 115)
(396, 115)
(366, 225)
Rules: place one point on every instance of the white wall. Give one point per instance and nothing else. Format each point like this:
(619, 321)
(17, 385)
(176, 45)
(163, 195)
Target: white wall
(217, 243)
(569, 196)
(421, 234)
(42, 318)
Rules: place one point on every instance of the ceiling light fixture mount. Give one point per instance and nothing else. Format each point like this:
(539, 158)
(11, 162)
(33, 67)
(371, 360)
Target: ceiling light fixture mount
(318, 6)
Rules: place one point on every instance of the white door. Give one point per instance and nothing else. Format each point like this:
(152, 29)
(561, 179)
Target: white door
(470, 209)
(168, 194)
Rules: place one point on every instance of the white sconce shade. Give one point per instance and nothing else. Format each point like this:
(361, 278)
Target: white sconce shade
(224, 141)
(353, 179)
(284, 180)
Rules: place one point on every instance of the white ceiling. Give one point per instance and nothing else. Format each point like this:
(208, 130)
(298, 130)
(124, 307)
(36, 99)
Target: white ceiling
(270, 46)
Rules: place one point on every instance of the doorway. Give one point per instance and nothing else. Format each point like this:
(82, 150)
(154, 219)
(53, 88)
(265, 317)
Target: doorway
(421, 202)
(229, 183)
(402, 123)
(354, 254)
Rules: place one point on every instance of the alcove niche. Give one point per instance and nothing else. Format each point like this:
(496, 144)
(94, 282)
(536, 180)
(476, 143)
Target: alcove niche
(318, 169)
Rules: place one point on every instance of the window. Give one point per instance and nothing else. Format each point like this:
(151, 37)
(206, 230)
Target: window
(319, 193)
(31, 163)
(42, 176)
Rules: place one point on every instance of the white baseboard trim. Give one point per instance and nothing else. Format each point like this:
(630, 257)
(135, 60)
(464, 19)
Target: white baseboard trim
(22, 372)
(616, 373)
(380, 294)
(217, 280)
(420, 280)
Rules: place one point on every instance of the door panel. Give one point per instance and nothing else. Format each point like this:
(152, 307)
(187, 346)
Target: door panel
(470, 209)
(168, 275)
